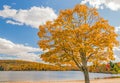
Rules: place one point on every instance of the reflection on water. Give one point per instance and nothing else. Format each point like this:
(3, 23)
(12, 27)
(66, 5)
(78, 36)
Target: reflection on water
(47, 75)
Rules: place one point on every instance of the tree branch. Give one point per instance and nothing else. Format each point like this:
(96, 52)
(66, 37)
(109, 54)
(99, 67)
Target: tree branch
(76, 62)
(89, 56)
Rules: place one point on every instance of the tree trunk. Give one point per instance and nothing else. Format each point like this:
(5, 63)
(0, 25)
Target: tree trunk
(83, 66)
(86, 75)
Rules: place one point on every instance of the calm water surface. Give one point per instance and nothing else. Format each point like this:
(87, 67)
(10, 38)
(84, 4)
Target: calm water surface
(47, 75)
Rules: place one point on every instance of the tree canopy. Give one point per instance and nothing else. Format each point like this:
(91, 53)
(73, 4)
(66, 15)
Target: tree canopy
(76, 37)
(77, 34)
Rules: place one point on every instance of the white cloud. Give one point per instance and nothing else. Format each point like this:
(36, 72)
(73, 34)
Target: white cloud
(13, 22)
(19, 51)
(114, 6)
(33, 17)
(117, 49)
(100, 4)
(117, 30)
(117, 53)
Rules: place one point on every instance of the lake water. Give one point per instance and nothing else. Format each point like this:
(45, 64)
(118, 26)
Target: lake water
(47, 75)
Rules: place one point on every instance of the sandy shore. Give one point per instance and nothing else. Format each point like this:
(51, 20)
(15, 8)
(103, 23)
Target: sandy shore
(112, 80)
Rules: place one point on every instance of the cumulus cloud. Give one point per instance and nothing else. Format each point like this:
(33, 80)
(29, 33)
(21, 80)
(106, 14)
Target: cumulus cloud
(33, 17)
(117, 53)
(100, 4)
(13, 22)
(117, 49)
(117, 30)
(10, 50)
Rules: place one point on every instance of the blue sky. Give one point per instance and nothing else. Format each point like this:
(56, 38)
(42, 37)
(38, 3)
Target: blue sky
(19, 21)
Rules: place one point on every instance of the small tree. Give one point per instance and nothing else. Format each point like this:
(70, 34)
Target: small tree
(78, 36)
(1, 68)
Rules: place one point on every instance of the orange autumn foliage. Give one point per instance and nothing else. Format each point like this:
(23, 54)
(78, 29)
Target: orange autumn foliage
(75, 31)
(76, 37)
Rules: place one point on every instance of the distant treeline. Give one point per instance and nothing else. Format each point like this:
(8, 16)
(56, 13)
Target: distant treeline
(111, 67)
(19, 65)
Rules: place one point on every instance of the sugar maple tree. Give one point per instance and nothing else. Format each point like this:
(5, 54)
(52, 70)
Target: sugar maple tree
(78, 36)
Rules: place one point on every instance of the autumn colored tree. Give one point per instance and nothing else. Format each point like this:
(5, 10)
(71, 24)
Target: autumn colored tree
(77, 37)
